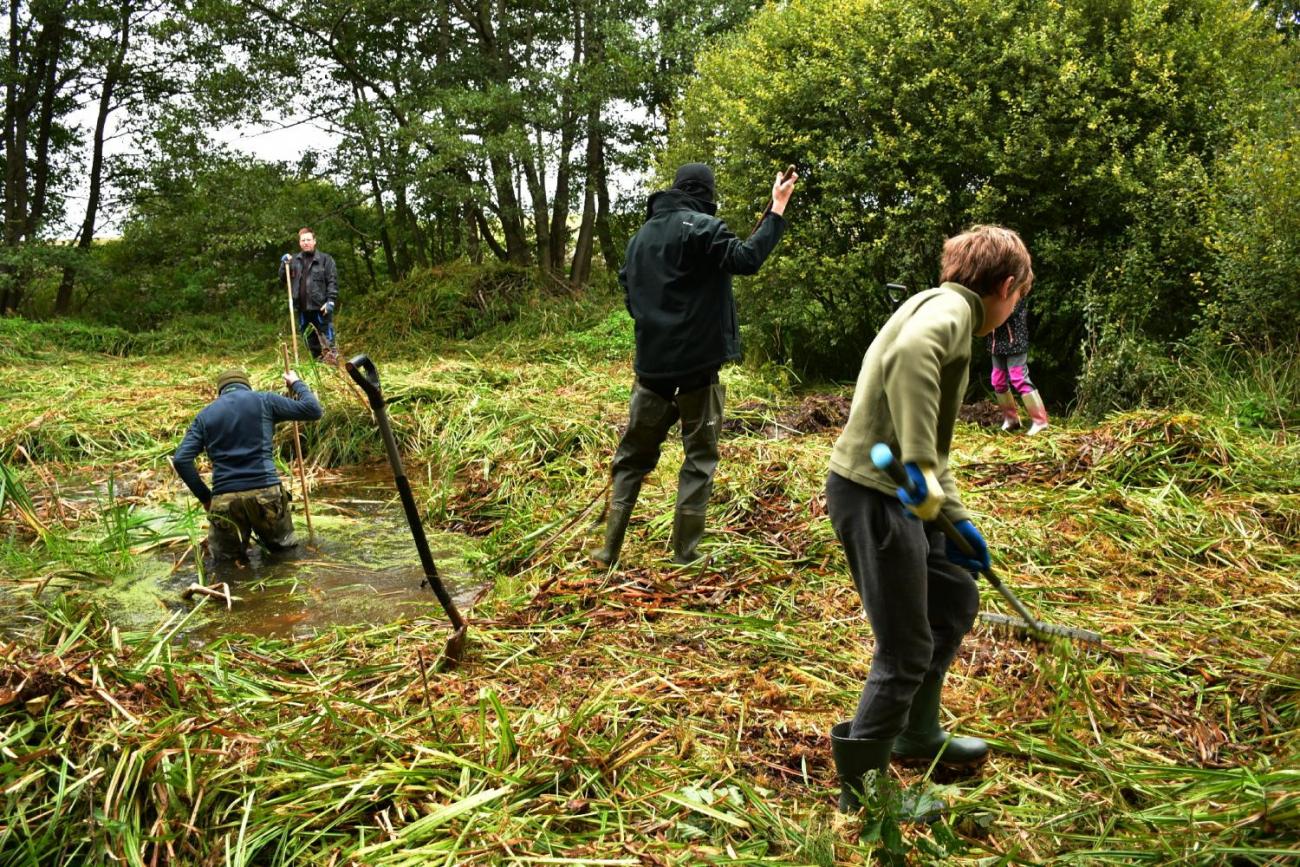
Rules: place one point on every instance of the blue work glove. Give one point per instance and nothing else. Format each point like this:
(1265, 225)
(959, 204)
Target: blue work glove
(328, 308)
(978, 563)
(927, 497)
(284, 260)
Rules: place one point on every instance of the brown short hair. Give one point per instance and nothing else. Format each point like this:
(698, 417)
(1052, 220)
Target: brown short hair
(981, 257)
(305, 230)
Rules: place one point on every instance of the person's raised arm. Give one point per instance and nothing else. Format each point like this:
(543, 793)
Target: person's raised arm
(734, 256)
(305, 408)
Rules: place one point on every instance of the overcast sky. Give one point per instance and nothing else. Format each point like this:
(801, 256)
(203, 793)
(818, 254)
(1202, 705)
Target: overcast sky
(283, 141)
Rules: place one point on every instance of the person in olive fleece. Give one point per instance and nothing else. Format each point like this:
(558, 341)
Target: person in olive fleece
(315, 281)
(1008, 344)
(917, 588)
(677, 285)
(235, 430)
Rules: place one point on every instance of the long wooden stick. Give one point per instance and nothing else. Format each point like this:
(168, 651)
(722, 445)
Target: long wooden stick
(293, 320)
(297, 454)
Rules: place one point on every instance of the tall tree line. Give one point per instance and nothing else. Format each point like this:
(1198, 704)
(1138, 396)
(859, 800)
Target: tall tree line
(467, 128)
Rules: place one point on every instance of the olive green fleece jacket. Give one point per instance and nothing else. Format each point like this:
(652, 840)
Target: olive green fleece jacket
(911, 385)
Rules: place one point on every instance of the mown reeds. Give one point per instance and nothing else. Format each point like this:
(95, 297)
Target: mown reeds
(652, 715)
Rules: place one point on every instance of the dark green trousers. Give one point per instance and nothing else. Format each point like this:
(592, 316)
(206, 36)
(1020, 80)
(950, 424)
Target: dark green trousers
(235, 517)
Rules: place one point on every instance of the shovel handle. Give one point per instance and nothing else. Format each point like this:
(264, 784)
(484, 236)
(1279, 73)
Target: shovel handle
(895, 294)
(363, 373)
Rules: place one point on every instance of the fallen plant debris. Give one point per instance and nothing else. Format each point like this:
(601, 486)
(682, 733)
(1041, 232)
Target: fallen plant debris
(647, 714)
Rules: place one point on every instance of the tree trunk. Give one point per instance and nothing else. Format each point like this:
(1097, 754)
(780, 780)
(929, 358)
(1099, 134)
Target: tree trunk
(541, 210)
(63, 301)
(472, 247)
(488, 238)
(32, 87)
(511, 217)
(580, 272)
(372, 173)
(563, 166)
(608, 249)
(45, 127)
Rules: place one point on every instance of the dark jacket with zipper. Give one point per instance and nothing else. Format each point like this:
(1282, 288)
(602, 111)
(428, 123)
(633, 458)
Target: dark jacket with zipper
(236, 431)
(677, 284)
(322, 280)
(1012, 336)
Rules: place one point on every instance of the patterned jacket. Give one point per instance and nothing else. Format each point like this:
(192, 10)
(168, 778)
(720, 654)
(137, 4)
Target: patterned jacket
(1012, 336)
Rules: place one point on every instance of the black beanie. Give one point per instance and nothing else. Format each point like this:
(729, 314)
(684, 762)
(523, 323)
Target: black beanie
(696, 180)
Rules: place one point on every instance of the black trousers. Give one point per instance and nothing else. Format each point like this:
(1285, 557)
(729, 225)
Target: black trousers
(919, 603)
(670, 387)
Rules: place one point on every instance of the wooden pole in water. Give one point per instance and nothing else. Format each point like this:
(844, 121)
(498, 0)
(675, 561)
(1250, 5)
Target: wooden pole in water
(297, 454)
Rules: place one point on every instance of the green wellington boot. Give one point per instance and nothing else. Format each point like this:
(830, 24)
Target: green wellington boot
(649, 419)
(854, 758)
(615, 530)
(923, 739)
(701, 412)
(688, 530)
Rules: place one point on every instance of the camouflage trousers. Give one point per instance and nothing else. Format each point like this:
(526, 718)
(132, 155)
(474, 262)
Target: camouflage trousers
(234, 517)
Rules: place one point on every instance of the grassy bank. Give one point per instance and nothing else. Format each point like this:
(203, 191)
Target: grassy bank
(653, 715)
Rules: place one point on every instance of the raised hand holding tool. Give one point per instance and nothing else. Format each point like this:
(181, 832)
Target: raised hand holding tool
(785, 176)
(293, 320)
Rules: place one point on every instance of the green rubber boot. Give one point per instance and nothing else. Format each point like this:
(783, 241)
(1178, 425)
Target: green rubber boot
(615, 529)
(701, 413)
(923, 739)
(688, 530)
(649, 419)
(854, 758)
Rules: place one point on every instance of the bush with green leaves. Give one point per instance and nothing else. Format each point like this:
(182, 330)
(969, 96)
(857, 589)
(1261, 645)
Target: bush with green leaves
(1091, 127)
(1125, 371)
(207, 236)
(1254, 229)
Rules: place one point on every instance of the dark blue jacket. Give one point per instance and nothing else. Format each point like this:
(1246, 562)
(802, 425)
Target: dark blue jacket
(677, 284)
(235, 430)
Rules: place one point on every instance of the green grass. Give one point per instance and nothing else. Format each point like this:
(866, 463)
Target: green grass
(652, 715)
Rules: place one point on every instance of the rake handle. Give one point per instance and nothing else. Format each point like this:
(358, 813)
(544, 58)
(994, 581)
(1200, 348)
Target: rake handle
(883, 457)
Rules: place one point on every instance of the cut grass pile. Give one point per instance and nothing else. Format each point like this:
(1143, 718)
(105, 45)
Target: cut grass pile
(650, 715)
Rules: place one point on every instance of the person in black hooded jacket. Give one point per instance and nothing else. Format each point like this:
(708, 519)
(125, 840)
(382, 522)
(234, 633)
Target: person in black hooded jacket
(677, 285)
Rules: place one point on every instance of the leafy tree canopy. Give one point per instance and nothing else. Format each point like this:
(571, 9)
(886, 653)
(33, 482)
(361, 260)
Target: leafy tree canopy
(1091, 127)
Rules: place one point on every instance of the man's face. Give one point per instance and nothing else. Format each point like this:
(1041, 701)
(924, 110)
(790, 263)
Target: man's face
(307, 241)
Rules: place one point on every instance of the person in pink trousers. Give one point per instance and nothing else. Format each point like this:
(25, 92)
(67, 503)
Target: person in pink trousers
(1009, 346)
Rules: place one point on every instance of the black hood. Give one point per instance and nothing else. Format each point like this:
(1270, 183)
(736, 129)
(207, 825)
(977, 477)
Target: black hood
(696, 180)
(693, 188)
(677, 200)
